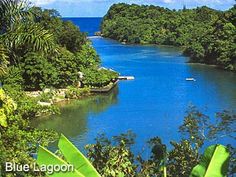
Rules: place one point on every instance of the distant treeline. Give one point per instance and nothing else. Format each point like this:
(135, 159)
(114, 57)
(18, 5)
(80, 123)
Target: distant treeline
(206, 35)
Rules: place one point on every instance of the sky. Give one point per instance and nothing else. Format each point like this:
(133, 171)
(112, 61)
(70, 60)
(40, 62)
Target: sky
(98, 8)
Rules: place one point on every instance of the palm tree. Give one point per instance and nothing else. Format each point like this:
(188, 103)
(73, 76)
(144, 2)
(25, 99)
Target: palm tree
(29, 37)
(19, 33)
(11, 12)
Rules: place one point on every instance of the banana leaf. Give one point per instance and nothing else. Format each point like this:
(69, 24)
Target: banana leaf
(214, 163)
(46, 157)
(75, 157)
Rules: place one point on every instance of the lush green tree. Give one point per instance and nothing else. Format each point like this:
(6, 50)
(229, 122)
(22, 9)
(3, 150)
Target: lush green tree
(71, 37)
(66, 68)
(65, 32)
(38, 73)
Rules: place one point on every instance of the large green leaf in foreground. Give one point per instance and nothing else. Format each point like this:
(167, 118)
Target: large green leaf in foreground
(214, 163)
(82, 167)
(46, 157)
(75, 157)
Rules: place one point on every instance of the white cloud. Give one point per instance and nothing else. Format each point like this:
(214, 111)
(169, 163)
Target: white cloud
(90, 7)
(168, 1)
(42, 2)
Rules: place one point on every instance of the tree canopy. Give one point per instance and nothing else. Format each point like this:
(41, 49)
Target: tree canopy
(206, 35)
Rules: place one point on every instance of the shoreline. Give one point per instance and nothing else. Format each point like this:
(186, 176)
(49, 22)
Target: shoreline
(60, 95)
(204, 64)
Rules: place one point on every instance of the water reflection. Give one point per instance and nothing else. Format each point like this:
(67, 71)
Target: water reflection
(73, 118)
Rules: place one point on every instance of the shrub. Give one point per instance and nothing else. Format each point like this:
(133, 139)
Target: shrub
(73, 92)
(27, 106)
(14, 76)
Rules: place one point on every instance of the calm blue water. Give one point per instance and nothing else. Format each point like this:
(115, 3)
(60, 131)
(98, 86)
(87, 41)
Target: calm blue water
(153, 104)
(89, 25)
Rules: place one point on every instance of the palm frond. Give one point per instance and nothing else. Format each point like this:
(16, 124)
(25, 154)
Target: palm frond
(31, 36)
(3, 60)
(11, 12)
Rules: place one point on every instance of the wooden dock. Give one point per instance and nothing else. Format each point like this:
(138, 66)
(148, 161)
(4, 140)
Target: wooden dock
(111, 85)
(126, 77)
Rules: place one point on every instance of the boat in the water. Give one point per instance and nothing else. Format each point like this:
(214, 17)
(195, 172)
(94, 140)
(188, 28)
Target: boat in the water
(190, 79)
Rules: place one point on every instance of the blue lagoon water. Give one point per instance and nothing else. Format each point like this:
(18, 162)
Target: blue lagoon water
(153, 104)
(88, 25)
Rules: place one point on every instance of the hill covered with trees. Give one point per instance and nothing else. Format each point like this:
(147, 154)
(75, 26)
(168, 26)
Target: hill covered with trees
(206, 35)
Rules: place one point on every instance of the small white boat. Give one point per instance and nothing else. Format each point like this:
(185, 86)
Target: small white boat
(190, 79)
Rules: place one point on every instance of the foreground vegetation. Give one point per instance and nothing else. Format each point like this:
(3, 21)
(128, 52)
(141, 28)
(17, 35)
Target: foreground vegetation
(206, 35)
(214, 162)
(115, 156)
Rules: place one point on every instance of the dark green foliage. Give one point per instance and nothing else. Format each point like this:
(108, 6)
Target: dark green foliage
(113, 158)
(74, 93)
(155, 165)
(66, 33)
(65, 65)
(37, 50)
(3, 60)
(98, 78)
(232, 161)
(70, 37)
(14, 76)
(37, 72)
(87, 57)
(181, 159)
(224, 125)
(207, 35)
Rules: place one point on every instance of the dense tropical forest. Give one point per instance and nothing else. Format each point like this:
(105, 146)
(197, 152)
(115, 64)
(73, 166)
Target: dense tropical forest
(38, 52)
(206, 35)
